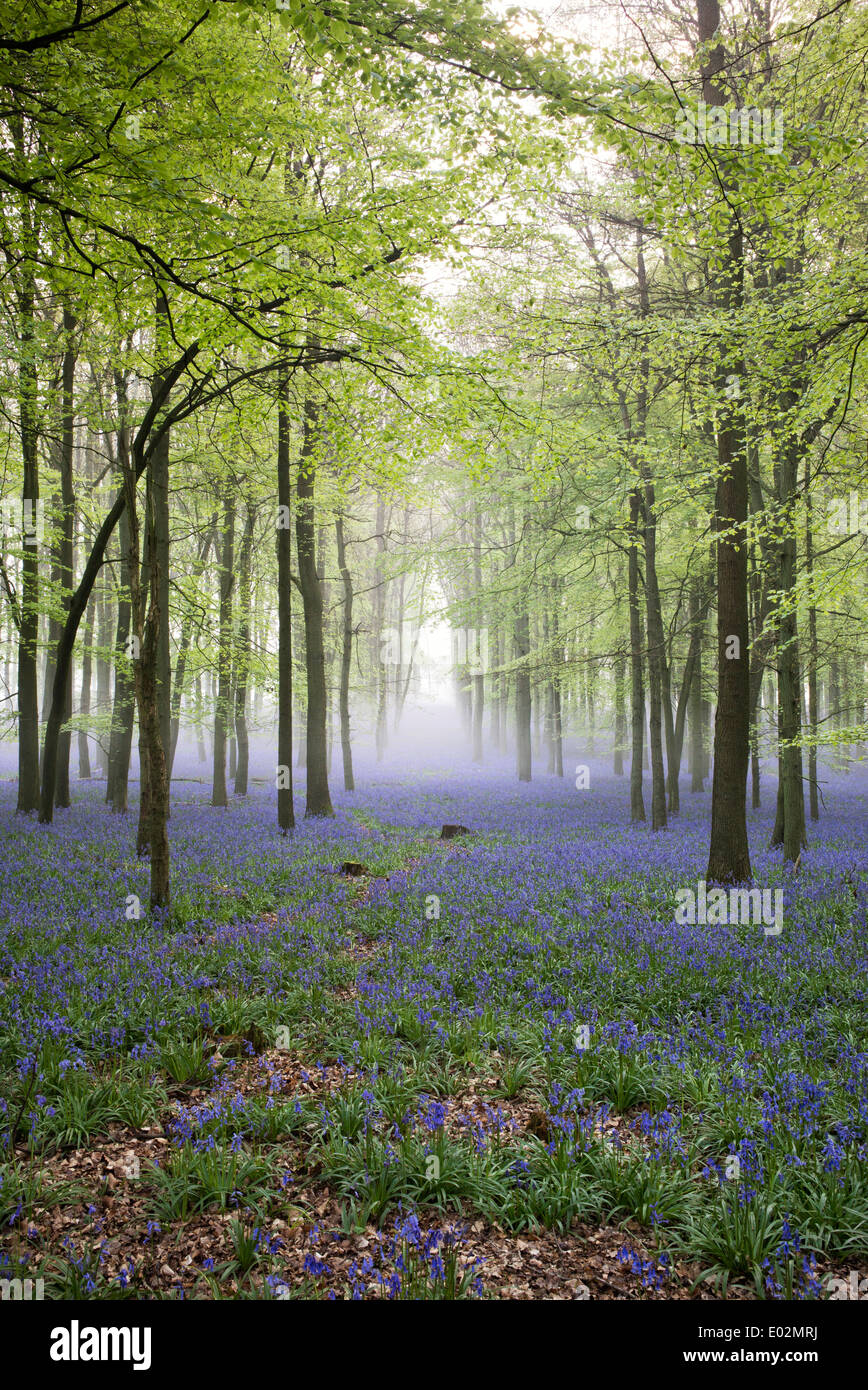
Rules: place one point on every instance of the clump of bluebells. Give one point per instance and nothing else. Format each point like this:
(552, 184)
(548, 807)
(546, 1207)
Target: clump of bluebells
(791, 1273)
(652, 1274)
(412, 1264)
(313, 1265)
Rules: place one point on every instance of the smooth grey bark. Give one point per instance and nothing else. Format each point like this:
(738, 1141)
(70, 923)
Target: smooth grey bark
(789, 829)
(637, 691)
(285, 803)
(620, 674)
(318, 799)
(697, 723)
(198, 708)
(62, 560)
(524, 755)
(555, 686)
(242, 655)
(346, 656)
(222, 705)
(123, 712)
(28, 608)
(729, 854)
(479, 676)
(84, 696)
(103, 665)
(813, 655)
(381, 665)
(158, 486)
(187, 629)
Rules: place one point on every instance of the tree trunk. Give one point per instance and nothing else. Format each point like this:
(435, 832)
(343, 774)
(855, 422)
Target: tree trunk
(146, 441)
(637, 692)
(676, 740)
(496, 677)
(400, 590)
(28, 630)
(84, 698)
(123, 713)
(62, 565)
(187, 628)
(834, 712)
(479, 674)
(285, 804)
(222, 704)
(242, 655)
(157, 780)
(346, 656)
(381, 666)
(328, 646)
(697, 723)
(140, 588)
(318, 801)
(620, 672)
(789, 830)
(548, 695)
(813, 710)
(760, 596)
(154, 798)
(178, 687)
(198, 706)
(729, 855)
(557, 728)
(524, 757)
(656, 658)
(103, 669)
(158, 482)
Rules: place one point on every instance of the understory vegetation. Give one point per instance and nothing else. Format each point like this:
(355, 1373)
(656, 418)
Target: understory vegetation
(375, 1086)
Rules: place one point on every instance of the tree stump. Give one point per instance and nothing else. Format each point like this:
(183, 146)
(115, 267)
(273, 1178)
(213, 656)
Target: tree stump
(538, 1124)
(451, 832)
(253, 1042)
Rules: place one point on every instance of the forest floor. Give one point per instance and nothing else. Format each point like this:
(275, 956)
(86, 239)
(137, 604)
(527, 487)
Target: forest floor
(495, 1066)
